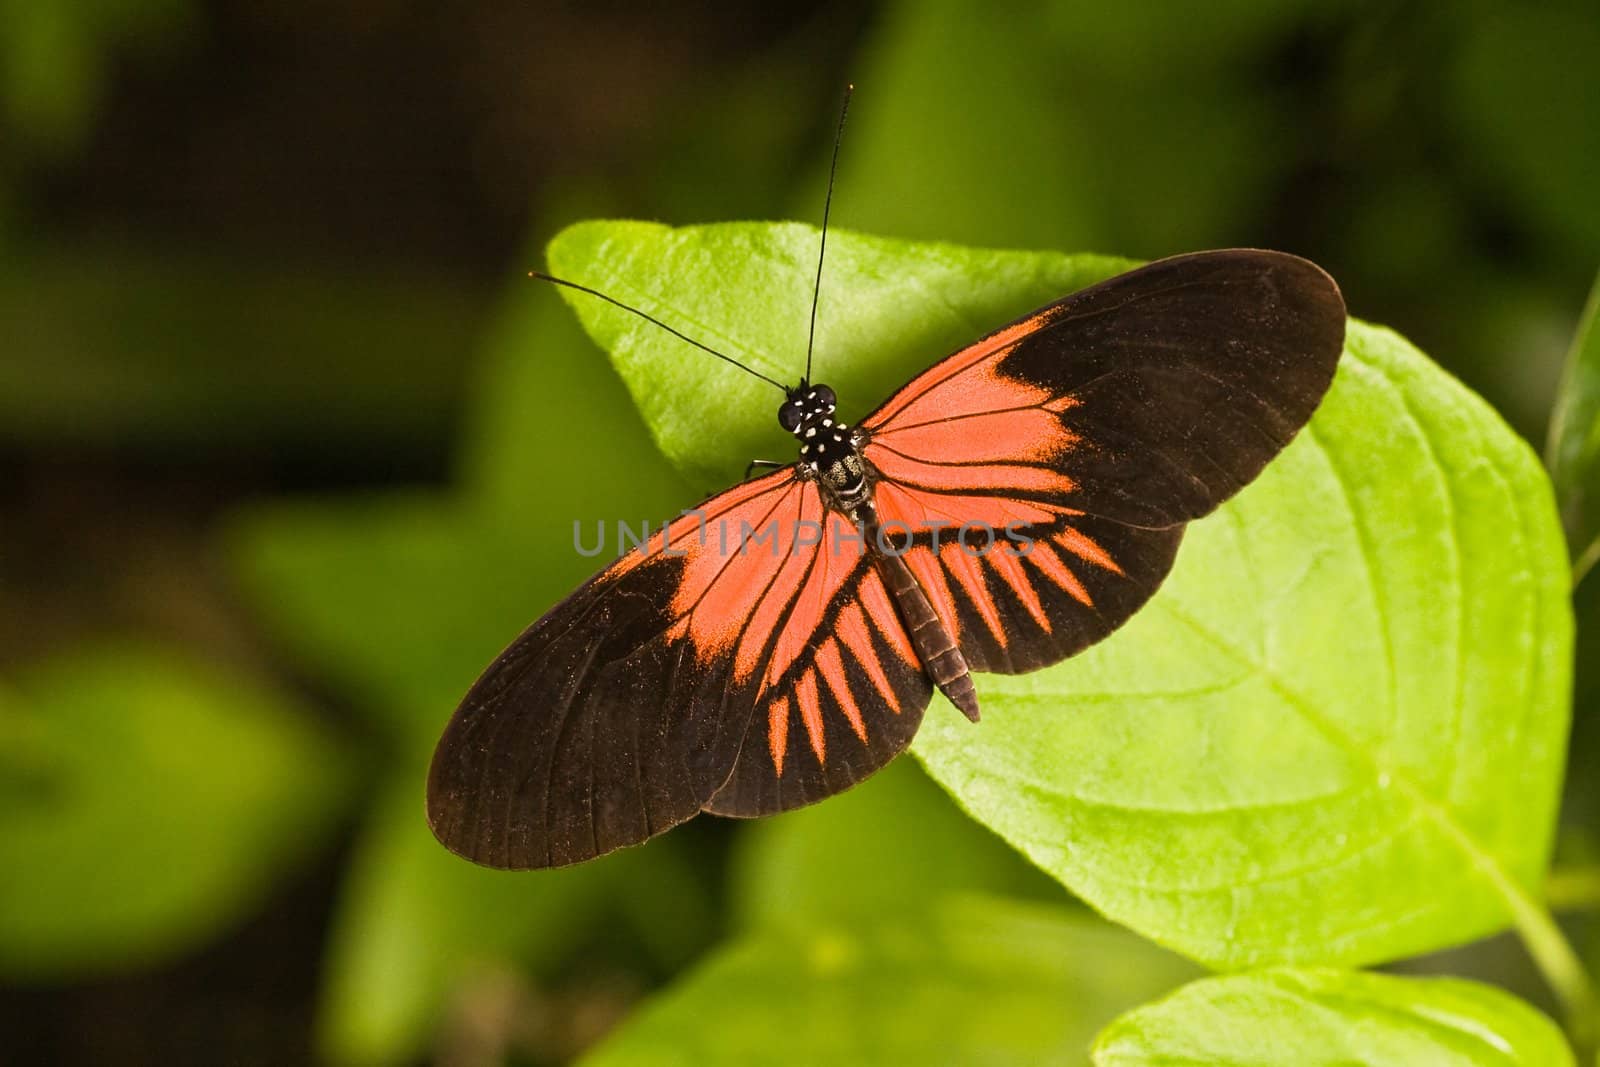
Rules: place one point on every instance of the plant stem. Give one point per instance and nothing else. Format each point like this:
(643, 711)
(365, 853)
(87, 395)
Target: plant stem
(1562, 969)
(1581, 566)
(1575, 888)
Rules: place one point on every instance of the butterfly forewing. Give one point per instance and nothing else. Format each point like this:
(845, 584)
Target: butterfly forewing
(619, 713)
(747, 660)
(1089, 432)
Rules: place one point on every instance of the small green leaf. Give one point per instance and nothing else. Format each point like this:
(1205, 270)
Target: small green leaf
(1331, 1018)
(888, 309)
(1336, 735)
(1573, 452)
(973, 980)
(146, 803)
(894, 844)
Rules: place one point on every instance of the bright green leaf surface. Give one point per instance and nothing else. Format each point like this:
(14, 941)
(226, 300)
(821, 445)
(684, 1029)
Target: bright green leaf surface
(553, 437)
(974, 981)
(1573, 453)
(146, 803)
(1337, 735)
(1330, 1018)
(893, 845)
(888, 309)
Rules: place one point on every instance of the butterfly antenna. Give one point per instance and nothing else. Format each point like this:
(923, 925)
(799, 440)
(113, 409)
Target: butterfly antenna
(542, 276)
(827, 205)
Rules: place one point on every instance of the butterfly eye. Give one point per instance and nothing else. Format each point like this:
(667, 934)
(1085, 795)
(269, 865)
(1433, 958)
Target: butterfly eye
(825, 397)
(789, 416)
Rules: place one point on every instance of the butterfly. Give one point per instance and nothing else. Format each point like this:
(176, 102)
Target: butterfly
(1010, 506)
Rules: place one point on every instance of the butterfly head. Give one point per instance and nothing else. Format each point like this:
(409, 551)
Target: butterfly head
(806, 405)
(827, 446)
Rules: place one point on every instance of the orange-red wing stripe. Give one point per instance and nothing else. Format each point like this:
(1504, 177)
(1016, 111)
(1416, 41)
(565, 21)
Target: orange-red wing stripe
(832, 669)
(875, 598)
(793, 562)
(805, 694)
(1009, 569)
(899, 504)
(1043, 556)
(852, 633)
(778, 732)
(966, 570)
(985, 477)
(831, 562)
(941, 372)
(1020, 435)
(1080, 544)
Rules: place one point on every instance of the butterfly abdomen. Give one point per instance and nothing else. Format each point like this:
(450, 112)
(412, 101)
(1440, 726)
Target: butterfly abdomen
(935, 645)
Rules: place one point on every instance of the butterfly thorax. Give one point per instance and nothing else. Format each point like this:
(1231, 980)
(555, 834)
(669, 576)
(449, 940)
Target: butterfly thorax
(830, 451)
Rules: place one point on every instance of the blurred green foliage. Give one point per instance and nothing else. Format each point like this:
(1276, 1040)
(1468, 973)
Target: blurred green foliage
(1440, 161)
(57, 60)
(148, 802)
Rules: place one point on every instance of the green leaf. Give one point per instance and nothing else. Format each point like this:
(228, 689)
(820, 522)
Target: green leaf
(554, 438)
(1331, 1018)
(1336, 735)
(1573, 452)
(974, 980)
(888, 309)
(145, 804)
(893, 845)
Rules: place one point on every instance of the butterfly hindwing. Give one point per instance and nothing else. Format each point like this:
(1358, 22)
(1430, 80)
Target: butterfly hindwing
(1047, 584)
(843, 690)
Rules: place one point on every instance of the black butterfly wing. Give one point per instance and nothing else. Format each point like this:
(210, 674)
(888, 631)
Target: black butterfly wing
(703, 669)
(1092, 430)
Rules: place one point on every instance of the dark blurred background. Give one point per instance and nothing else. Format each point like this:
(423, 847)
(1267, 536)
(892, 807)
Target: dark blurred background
(289, 446)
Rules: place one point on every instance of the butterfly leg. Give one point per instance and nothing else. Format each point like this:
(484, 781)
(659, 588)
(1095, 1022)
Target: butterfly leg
(769, 464)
